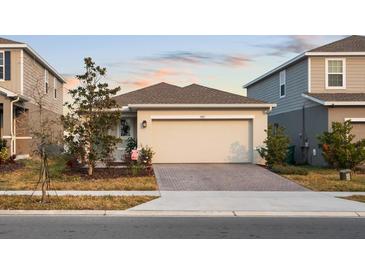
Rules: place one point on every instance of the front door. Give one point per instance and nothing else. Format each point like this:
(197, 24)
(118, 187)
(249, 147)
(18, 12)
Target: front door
(125, 129)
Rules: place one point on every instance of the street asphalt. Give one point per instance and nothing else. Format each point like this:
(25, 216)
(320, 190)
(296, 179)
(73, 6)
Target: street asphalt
(116, 227)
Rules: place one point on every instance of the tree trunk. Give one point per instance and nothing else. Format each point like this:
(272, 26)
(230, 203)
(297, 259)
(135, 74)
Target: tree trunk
(43, 176)
(90, 170)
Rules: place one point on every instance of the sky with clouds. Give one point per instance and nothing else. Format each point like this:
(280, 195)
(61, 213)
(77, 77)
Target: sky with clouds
(132, 62)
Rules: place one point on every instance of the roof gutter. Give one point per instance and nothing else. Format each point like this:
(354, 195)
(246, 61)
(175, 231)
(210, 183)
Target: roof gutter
(35, 54)
(173, 106)
(334, 103)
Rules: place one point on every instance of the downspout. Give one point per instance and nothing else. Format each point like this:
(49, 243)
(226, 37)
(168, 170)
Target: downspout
(12, 133)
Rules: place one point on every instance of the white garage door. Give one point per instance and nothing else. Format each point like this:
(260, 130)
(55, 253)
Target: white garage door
(202, 141)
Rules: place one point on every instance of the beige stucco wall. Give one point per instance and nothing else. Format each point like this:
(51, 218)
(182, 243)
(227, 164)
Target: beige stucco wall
(339, 114)
(14, 83)
(154, 135)
(355, 74)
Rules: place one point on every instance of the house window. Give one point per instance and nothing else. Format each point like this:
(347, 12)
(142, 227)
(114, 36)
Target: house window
(335, 73)
(282, 83)
(125, 129)
(55, 88)
(2, 65)
(46, 85)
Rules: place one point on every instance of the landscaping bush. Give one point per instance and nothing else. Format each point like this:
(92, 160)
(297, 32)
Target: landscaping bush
(276, 149)
(339, 149)
(136, 169)
(4, 155)
(289, 170)
(2, 143)
(130, 145)
(146, 155)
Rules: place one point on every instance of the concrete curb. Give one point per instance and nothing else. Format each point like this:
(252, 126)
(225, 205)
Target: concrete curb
(135, 213)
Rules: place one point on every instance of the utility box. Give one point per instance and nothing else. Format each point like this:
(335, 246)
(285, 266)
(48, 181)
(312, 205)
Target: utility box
(345, 175)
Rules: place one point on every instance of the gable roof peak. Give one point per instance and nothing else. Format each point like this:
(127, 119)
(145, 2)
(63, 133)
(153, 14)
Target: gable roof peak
(8, 41)
(353, 43)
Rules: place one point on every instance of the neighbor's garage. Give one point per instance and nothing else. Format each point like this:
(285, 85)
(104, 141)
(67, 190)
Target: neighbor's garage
(205, 136)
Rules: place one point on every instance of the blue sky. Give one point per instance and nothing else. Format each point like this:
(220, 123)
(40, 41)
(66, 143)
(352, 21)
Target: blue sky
(223, 62)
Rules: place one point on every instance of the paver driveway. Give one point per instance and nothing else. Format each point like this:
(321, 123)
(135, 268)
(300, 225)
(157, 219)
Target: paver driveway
(224, 177)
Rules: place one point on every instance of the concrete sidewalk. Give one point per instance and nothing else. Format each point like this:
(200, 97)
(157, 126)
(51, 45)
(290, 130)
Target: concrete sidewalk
(260, 201)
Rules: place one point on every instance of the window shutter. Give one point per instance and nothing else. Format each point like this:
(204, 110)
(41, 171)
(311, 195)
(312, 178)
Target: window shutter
(7, 65)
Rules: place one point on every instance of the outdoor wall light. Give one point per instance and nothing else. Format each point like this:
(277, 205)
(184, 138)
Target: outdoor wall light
(144, 124)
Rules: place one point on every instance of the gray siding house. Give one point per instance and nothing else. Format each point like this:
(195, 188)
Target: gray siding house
(314, 89)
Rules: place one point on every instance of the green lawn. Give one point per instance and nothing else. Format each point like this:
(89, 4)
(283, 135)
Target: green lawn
(324, 179)
(26, 178)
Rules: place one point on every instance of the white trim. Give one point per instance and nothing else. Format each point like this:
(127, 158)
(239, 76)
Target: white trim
(169, 106)
(3, 65)
(335, 53)
(343, 72)
(22, 72)
(282, 82)
(334, 103)
(309, 75)
(24, 138)
(202, 117)
(282, 66)
(34, 53)
(358, 120)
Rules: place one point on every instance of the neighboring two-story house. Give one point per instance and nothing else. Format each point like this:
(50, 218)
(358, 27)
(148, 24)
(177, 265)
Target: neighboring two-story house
(24, 76)
(314, 89)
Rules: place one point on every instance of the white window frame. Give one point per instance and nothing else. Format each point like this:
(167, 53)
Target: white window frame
(283, 72)
(3, 65)
(343, 72)
(46, 83)
(54, 88)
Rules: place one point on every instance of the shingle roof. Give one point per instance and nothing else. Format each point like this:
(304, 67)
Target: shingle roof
(164, 93)
(354, 43)
(7, 41)
(338, 97)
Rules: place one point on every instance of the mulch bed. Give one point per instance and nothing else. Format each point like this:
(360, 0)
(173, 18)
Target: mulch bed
(106, 173)
(8, 167)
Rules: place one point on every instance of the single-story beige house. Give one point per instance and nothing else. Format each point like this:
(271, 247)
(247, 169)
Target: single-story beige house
(193, 124)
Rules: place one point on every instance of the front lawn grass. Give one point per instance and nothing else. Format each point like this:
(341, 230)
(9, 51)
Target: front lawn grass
(26, 177)
(325, 179)
(72, 202)
(357, 198)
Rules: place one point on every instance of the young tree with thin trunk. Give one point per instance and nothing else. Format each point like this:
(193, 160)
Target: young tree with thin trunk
(43, 130)
(92, 113)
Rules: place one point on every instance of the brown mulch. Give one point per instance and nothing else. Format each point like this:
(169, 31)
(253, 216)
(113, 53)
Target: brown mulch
(106, 173)
(8, 167)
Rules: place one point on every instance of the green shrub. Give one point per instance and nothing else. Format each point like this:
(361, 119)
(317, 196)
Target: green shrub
(146, 155)
(289, 170)
(339, 149)
(4, 155)
(276, 146)
(136, 169)
(2, 143)
(130, 145)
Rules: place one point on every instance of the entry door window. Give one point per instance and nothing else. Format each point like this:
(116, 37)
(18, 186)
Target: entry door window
(125, 128)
